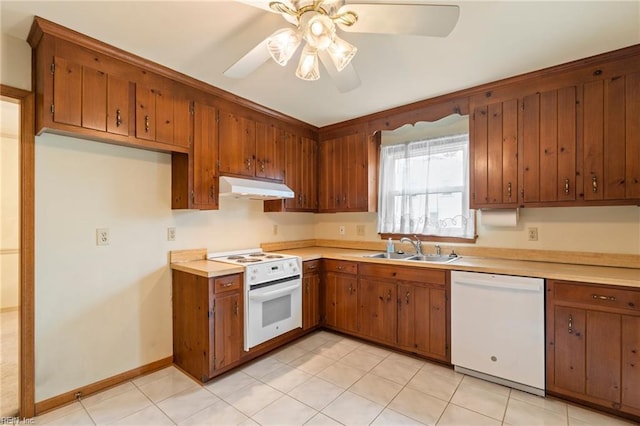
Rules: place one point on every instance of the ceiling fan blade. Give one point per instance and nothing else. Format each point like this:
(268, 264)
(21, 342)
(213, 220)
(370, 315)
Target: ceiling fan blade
(345, 80)
(409, 19)
(249, 62)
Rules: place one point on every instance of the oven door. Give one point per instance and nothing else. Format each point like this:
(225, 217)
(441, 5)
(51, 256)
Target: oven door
(272, 309)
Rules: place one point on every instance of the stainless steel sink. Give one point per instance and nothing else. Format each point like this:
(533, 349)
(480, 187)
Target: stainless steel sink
(433, 258)
(394, 256)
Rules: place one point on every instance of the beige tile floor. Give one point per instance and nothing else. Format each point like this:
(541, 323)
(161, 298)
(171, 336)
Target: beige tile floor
(323, 379)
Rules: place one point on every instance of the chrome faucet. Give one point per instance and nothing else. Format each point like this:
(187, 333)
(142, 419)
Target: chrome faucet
(438, 250)
(417, 244)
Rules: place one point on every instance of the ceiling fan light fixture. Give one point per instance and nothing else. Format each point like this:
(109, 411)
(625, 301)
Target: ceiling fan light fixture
(283, 44)
(308, 68)
(341, 52)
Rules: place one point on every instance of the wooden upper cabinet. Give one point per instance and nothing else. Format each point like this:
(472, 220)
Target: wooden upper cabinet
(549, 147)
(494, 155)
(89, 98)
(237, 144)
(611, 146)
(347, 173)
(250, 148)
(163, 117)
(269, 152)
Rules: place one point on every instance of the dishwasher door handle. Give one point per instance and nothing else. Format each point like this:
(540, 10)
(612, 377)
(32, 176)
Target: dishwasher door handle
(531, 287)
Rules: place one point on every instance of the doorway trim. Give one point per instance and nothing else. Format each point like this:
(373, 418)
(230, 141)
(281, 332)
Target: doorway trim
(26, 374)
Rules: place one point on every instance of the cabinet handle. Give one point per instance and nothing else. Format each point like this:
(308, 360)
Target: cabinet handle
(212, 192)
(311, 267)
(249, 163)
(350, 289)
(262, 166)
(118, 117)
(570, 324)
(388, 295)
(340, 268)
(406, 297)
(300, 200)
(146, 123)
(594, 183)
(602, 297)
(566, 186)
(229, 284)
(235, 308)
(509, 189)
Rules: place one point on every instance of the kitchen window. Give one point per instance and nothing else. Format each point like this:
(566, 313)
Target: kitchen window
(424, 189)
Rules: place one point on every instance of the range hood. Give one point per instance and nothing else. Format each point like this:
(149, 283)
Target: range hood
(253, 189)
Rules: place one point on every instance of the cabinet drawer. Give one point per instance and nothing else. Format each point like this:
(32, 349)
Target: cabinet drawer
(341, 266)
(433, 276)
(227, 283)
(310, 266)
(595, 295)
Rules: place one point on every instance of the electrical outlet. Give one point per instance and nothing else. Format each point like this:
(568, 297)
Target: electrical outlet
(360, 230)
(341, 229)
(532, 234)
(102, 237)
(171, 234)
(275, 229)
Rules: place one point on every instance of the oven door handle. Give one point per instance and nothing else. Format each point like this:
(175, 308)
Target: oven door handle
(274, 293)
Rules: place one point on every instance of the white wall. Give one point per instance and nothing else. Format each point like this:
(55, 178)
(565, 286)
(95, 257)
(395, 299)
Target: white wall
(102, 310)
(588, 229)
(15, 62)
(9, 208)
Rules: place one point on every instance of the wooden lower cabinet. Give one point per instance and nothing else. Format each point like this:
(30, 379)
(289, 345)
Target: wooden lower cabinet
(403, 307)
(310, 294)
(593, 344)
(207, 323)
(377, 309)
(340, 295)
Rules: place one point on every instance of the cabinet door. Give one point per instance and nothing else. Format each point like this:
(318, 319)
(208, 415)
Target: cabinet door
(67, 92)
(145, 113)
(570, 348)
(237, 144)
(94, 99)
(228, 329)
(377, 309)
(328, 175)
(269, 152)
(438, 322)
(549, 146)
(329, 296)
(293, 170)
(117, 105)
(611, 157)
(355, 183)
(310, 301)
(494, 154)
(631, 362)
(205, 154)
(341, 307)
(309, 171)
(603, 349)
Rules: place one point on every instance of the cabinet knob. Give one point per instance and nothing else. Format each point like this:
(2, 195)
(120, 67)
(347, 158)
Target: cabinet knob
(509, 189)
(570, 324)
(594, 183)
(388, 295)
(602, 297)
(406, 298)
(146, 123)
(566, 186)
(118, 117)
(248, 163)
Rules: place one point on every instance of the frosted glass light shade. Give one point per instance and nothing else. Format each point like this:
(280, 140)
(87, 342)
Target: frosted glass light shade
(319, 29)
(341, 52)
(308, 65)
(283, 44)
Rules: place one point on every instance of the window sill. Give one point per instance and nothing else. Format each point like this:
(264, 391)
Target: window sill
(433, 238)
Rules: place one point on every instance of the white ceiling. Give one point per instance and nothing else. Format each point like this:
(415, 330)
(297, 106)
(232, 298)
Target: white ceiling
(492, 40)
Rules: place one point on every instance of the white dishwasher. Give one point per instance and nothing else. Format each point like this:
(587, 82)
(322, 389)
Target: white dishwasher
(497, 329)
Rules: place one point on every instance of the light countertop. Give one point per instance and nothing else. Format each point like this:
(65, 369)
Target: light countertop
(627, 277)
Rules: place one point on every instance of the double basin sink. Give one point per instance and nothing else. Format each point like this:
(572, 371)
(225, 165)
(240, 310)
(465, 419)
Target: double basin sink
(430, 258)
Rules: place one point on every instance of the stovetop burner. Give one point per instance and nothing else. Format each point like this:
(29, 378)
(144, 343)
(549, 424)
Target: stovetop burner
(274, 256)
(248, 260)
(235, 257)
(257, 255)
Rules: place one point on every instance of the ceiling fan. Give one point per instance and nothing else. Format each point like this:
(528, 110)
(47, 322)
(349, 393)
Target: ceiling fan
(316, 24)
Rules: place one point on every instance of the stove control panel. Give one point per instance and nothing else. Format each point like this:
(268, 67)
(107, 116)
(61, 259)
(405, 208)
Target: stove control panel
(271, 271)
